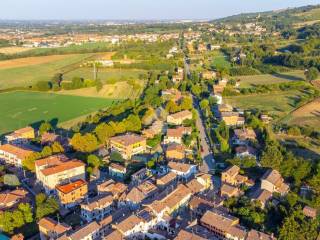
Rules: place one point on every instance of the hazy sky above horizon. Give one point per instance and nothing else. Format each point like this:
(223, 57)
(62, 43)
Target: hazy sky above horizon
(137, 9)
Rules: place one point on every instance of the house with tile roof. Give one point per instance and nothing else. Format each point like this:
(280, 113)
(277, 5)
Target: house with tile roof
(14, 155)
(273, 182)
(10, 199)
(96, 208)
(72, 193)
(128, 145)
(183, 170)
(179, 117)
(51, 229)
(57, 170)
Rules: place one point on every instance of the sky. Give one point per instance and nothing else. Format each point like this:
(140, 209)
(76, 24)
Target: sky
(137, 9)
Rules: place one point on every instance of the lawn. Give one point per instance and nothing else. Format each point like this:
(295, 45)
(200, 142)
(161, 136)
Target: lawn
(106, 75)
(247, 81)
(19, 109)
(275, 103)
(27, 71)
(220, 62)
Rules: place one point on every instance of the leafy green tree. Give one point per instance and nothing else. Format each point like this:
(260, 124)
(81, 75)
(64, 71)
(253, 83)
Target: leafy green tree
(312, 74)
(45, 127)
(186, 103)
(84, 143)
(46, 151)
(271, 156)
(172, 107)
(45, 206)
(57, 148)
(289, 229)
(26, 209)
(196, 90)
(93, 161)
(104, 132)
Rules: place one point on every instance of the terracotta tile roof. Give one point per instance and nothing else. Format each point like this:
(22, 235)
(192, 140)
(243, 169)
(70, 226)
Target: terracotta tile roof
(200, 203)
(127, 139)
(117, 167)
(101, 201)
(224, 223)
(244, 149)
(112, 187)
(310, 212)
(70, 187)
(232, 171)
(147, 187)
(21, 153)
(182, 114)
(176, 147)
(85, 231)
(181, 167)
(255, 235)
(245, 133)
(166, 178)
(22, 131)
(128, 224)
(114, 235)
(52, 160)
(18, 236)
(10, 197)
(63, 167)
(262, 195)
(184, 235)
(53, 226)
(195, 186)
(176, 196)
(135, 196)
(274, 177)
(178, 132)
(230, 190)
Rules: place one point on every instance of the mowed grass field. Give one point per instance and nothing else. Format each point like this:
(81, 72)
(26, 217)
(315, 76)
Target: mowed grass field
(24, 72)
(279, 103)
(19, 109)
(106, 75)
(248, 81)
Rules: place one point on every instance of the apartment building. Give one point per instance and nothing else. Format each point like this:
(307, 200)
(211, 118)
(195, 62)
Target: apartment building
(97, 208)
(128, 145)
(14, 155)
(21, 135)
(72, 193)
(179, 117)
(51, 229)
(57, 170)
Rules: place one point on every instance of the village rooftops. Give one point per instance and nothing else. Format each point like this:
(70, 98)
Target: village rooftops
(232, 171)
(127, 139)
(166, 179)
(310, 212)
(117, 167)
(147, 187)
(176, 147)
(245, 133)
(9, 198)
(21, 153)
(184, 235)
(53, 226)
(20, 132)
(68, 165)
(181, 114)
(85, 231)
(52, 160)
(178, 132)
(100, 201)
(274, 177)
(70, 187)
(223, 222)
(128, 224)
(114, 235)
(180, 167)
(112, 187)
(256, 235)
(195, 186)
(262, 196)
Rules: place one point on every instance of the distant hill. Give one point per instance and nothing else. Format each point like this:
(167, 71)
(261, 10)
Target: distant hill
(300, 16)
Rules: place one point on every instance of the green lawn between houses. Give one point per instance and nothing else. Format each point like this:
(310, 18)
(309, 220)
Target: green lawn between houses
(19, 109)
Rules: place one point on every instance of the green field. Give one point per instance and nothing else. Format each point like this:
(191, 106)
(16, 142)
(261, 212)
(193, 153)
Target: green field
(106, 75)
(247, 81)
(19, 109)
(220, 62)
(22, 76)
(275, 103)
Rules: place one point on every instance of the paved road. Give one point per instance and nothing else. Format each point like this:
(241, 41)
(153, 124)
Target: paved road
(206, 154)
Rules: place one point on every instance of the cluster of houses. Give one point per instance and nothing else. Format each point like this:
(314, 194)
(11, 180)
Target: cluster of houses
(176, 202)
